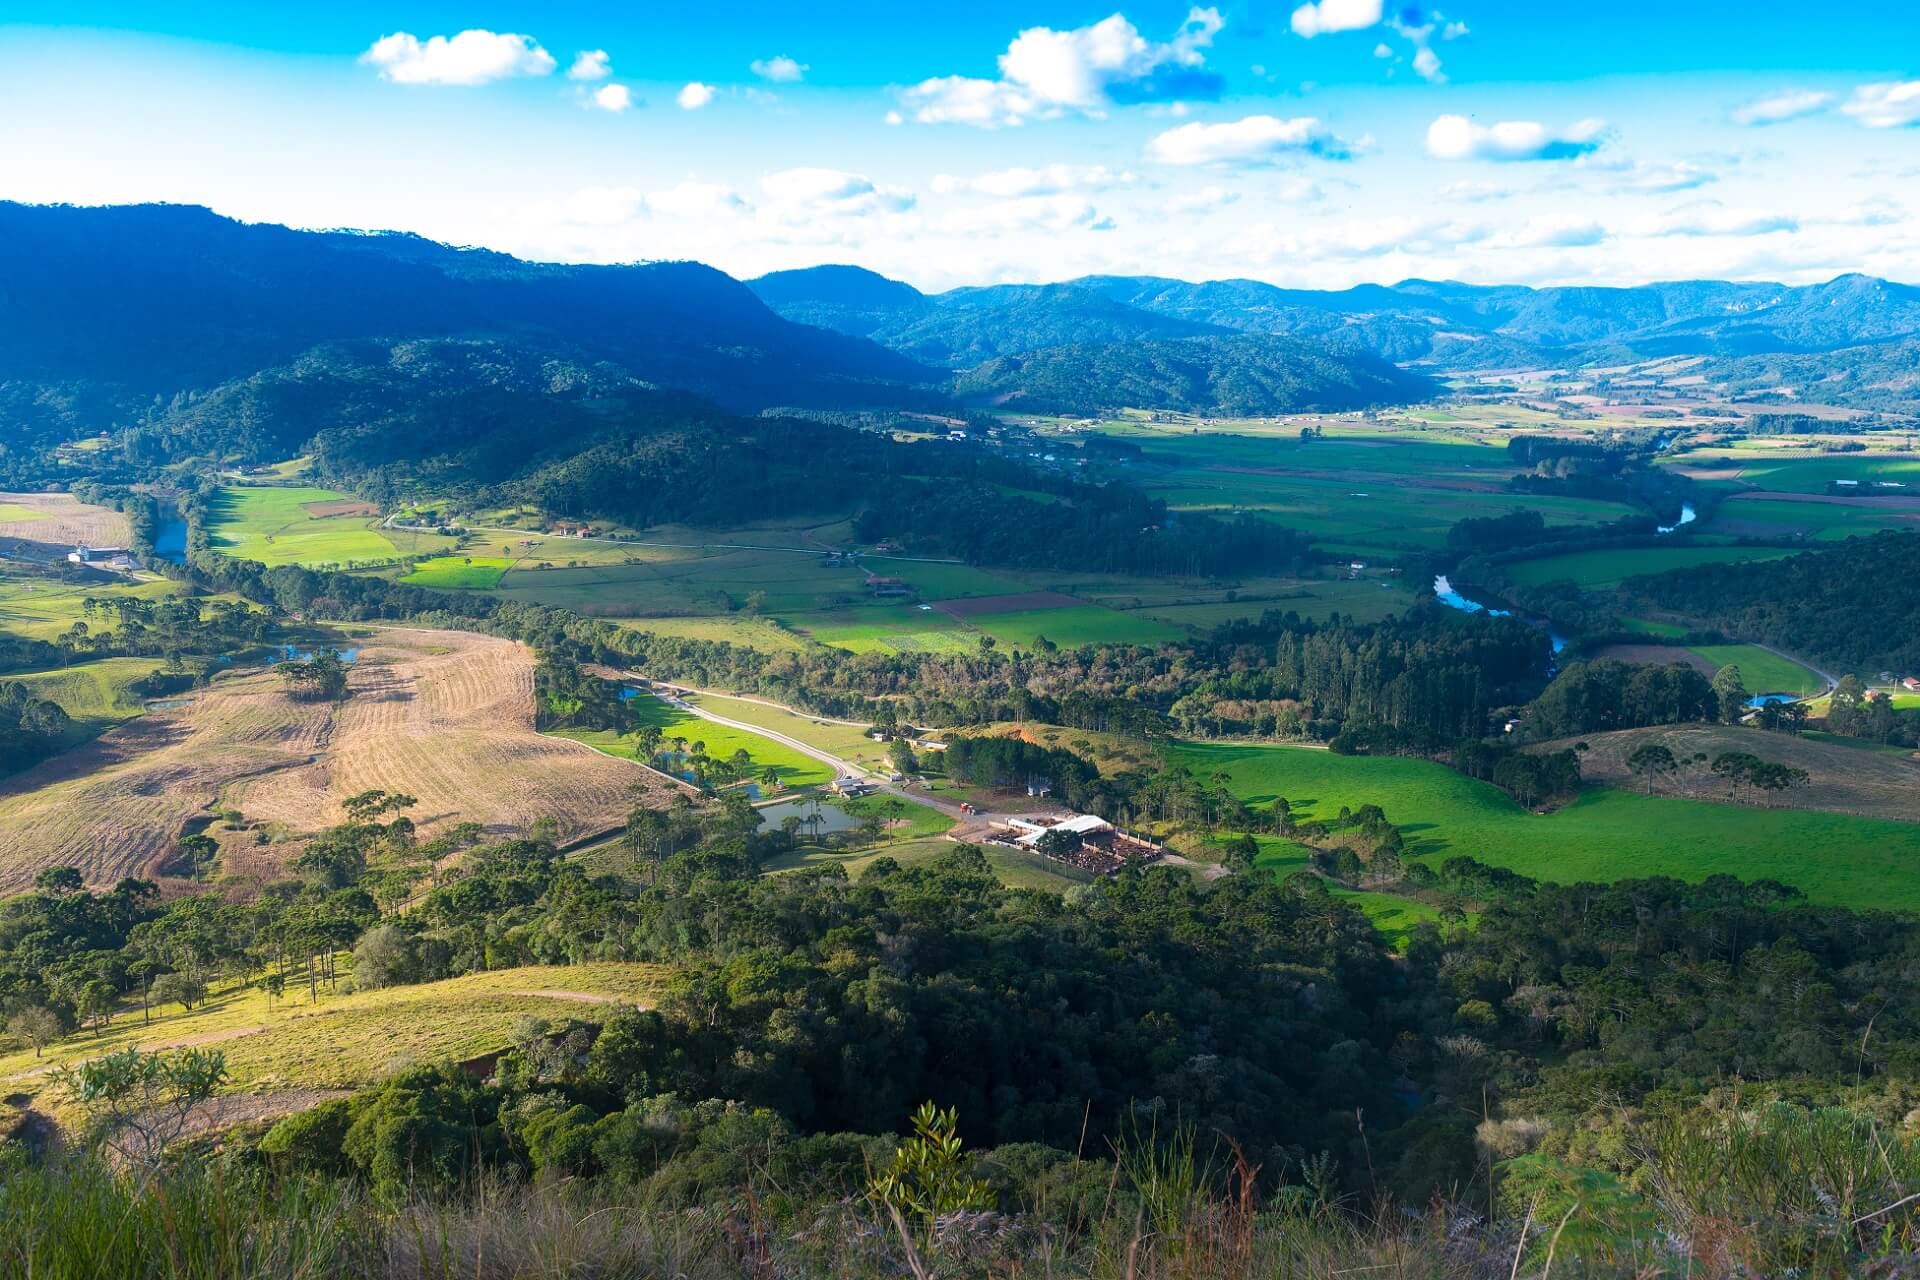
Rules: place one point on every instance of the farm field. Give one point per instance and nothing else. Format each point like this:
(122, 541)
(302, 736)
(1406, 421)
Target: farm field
(1761, 670)
(1595, 570)
(1365, 599)
(1607, 834)
(1074, 625)
(1790, 470)
(1360, 488)
(742, 629)
(793, 768)
(60, 520)
(1793, 515)
(448, 573)
(845, 740)
(296, 526)
(443, 716)
(885, 628)
(347, 1040)
(45, 608)
(1857, 777)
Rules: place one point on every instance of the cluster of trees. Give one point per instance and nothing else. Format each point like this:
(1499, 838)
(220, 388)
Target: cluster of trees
(1604, 693)
(1856, 712)
(31, 728)
(1103, 529)
(1852, 604)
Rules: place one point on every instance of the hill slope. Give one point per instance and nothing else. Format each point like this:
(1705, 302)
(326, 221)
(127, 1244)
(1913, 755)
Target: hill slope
(1244, 376)
(154, 299)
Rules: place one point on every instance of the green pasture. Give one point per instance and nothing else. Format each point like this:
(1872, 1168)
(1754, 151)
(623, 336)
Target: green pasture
(885, 628)
(742, 629)
(43, 609)
(94, 694)
(462, 572)
(1364, 599)
(913, 822)
(14, 513)
(1604, 835)
(1760, 670)
(1596, 570)
(793, 769)
(1075, 625)
(848, 741)
(273, 526)
(1773, 515)
(1802, 474)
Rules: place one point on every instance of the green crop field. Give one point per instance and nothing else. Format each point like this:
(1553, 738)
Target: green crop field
(14, 513)
(1599, 569)
(1761, 671)
(1366, 599)
(449, 572)
(1604, 835)
(1782, 471)
(275, 527)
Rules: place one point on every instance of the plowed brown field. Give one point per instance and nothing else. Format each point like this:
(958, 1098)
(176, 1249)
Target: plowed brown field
(446, 717)
(59, 519)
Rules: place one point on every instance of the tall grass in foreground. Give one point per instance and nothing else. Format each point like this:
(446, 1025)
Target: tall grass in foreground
(1775, 1191)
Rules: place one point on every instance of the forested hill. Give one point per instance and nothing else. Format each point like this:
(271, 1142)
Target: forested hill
(115, 306)
(1244, 376)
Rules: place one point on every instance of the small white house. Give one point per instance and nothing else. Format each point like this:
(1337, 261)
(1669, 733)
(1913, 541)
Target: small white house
(98, 555)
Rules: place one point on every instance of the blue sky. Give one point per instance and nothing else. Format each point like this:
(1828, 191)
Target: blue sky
(1318, 144)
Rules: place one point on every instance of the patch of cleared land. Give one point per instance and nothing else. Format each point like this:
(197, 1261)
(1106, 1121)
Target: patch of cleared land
(443, 716)
(45, 608)
(1016, 870)
(1858, 778)
(1607, 834)
(60, 519)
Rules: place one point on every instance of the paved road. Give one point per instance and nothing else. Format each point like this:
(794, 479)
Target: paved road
(1832, 681)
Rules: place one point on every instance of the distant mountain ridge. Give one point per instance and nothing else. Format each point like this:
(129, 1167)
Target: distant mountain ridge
(1436, 322)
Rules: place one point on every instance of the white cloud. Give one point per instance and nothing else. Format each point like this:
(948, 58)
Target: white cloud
(804, 192)
(590, 64)
(1661, 179)
(694, 96)
(1458, 138)
(1047, 180)
(1889, 105)
(1357, 238)
(612, 97)
(1053, 213)
(780, 69)
(1475, 192)
(1712, 220)
(1775, 108)
(470, 58)
(1427, 63)
(1552, 231)
(692, 199)
(1205, 200)
(1251, 140)
(1383, 50)
(1328, 16)
(1046, 73)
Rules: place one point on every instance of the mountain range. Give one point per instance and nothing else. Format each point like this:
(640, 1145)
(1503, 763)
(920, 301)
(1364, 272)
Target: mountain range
(1441, 323)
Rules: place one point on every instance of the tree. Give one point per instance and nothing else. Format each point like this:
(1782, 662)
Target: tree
(36, 1026)
(927, 1178)
(1651, 761)
(183, 989)
(58, 881)
(138, 1104)
(1731, 688)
